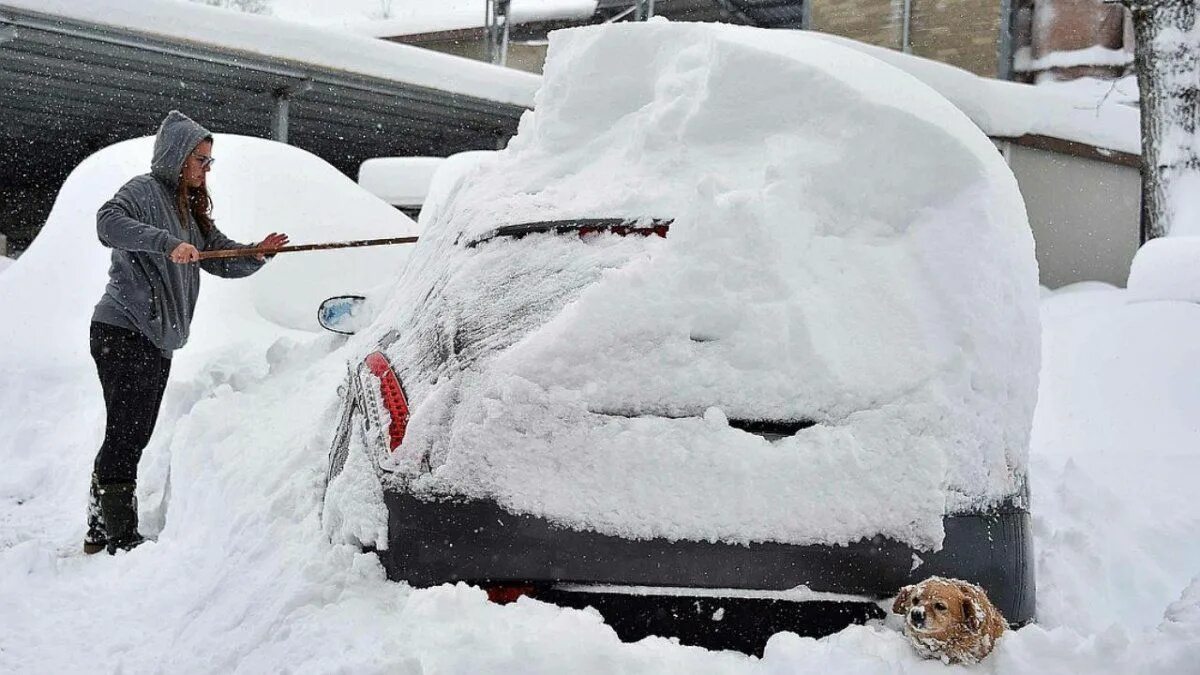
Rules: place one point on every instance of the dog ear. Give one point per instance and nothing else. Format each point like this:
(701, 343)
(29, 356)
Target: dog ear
(973, 603)
(969, 615)
(900, 606)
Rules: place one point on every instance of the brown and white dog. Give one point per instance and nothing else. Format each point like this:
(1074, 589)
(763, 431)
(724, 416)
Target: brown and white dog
(950, 620)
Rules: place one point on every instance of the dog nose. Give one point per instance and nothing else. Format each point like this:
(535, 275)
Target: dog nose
(917, 616)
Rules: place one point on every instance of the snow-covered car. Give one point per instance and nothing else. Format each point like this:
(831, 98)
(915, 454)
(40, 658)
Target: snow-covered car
(739, 319)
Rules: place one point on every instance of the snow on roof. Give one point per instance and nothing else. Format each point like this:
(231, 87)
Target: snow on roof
(1010, 109)
(1095, 55)
(280, 39)
(1123, 91)
(400, 181)
(415, 18)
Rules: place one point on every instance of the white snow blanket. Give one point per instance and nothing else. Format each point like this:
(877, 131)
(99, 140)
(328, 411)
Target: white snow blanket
(242, 580)
(1166, 268)
(848, 248)
(1091, 113)
(400, 181)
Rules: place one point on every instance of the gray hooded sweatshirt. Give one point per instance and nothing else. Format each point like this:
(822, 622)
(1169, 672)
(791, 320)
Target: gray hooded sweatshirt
(147, 293)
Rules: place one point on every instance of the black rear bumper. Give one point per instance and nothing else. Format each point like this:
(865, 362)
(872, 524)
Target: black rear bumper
(435, 542)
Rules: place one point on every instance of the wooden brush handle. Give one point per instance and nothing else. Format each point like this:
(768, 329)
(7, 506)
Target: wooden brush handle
(247, 252)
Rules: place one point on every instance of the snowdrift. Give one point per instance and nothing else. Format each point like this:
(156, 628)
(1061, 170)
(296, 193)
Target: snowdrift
(1165, 269)
(258, 186)
(847, 249)
(243, 581)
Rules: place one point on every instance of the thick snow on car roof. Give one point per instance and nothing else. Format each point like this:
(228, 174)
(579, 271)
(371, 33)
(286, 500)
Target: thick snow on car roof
(847, 249)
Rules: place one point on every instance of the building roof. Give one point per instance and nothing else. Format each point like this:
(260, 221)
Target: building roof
(77, 76)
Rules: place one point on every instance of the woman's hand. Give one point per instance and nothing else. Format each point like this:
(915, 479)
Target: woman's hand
(185, 253)
(274, 241)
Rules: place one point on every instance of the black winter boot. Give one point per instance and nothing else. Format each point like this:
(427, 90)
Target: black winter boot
(96, 539)
(118, 508)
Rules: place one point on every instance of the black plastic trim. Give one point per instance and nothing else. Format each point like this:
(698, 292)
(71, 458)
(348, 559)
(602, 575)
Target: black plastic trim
(744, 624)
(772, 429)
(435, 542)
(769, 429)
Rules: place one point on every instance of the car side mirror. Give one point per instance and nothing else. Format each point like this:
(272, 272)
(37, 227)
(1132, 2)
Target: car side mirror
(344, 314)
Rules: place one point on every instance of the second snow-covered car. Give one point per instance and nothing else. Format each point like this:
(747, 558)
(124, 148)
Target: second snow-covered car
(740, 319)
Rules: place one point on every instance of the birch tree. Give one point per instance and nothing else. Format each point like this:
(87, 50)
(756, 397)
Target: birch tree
(1167, 60)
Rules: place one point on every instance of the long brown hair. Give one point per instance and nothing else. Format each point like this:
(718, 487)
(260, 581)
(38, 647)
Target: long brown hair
(198, 203)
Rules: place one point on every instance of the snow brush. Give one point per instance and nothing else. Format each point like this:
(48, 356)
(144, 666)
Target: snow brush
(246, 252)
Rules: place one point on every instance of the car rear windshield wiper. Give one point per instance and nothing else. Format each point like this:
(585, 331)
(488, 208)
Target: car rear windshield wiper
(581, 226)
(772, 430)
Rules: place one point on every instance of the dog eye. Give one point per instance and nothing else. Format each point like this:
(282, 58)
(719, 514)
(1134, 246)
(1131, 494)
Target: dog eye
(940, 606)
(916, 601)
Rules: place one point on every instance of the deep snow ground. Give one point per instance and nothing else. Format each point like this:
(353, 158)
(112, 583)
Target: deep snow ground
(241, 579)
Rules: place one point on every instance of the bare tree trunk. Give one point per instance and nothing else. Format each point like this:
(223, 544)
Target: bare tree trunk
(1167, 59)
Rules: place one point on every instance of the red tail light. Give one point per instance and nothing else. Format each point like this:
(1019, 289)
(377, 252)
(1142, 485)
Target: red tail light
(502, 595)
(393, 397)
(657, 229)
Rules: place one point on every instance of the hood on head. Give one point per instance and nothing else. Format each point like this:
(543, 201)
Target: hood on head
(178, 135)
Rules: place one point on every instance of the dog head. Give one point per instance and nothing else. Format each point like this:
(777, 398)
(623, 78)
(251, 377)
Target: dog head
(939, 608)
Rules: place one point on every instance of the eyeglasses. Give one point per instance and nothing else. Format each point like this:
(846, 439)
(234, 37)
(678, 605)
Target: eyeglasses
(205, 160)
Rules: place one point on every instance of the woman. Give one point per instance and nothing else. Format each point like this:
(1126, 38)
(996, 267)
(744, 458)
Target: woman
(156, 224)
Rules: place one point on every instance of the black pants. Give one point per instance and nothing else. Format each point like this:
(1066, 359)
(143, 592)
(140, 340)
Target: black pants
(133, 374)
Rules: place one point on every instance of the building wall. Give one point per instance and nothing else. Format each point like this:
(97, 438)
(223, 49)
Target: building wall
(1084, 214)
(876, 22)
(23, 211)
(964, 33)
(1065, 25)
(1045, 27)
(527, 56)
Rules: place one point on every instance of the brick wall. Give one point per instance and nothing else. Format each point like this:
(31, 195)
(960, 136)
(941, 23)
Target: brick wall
(1070, 25)
(527, 56)
(875, 22)
(964, 33)
(1076, 24)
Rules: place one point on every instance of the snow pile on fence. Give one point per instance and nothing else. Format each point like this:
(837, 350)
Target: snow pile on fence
(847, 249)
(1096, 55)
(1101, 93)
(1010, 109)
